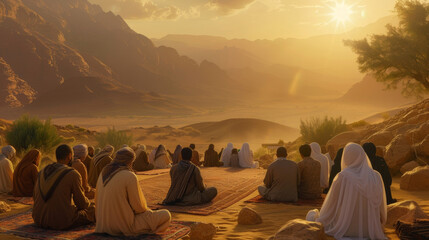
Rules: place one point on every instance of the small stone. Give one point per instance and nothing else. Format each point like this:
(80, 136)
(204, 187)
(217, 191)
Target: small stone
(4, 207)
(299, 229)
(202, 231)
(248, 216)
(406, 211)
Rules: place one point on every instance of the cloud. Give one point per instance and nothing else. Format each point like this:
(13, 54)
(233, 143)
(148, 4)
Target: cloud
(306, 6)
(225, 7)
(136, 9)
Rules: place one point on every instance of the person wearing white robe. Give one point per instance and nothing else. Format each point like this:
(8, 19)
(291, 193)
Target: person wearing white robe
(226, 155)
(355, 206)
(6, 168)
(245, 157)
(160, 158)
(316, 154)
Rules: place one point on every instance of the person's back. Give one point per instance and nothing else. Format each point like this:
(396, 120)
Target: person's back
(195, 156)
(211, 157)
(142, 163)
(309, 171)
(233, 160)
(281, 180)
(6, 169)
(98, 163)
(26, 173)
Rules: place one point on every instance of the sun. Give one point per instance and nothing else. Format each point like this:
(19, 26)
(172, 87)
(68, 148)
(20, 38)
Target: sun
(341, 13)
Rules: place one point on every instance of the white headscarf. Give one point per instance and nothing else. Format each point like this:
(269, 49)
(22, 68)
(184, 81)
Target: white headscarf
(80, 151)
(316, 154)
(245, 157)
(8, 152)
(356, 198)
(226, 155)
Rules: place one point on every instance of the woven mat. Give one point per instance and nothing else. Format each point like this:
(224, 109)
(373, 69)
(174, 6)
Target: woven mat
(154, 172)
(300, 202)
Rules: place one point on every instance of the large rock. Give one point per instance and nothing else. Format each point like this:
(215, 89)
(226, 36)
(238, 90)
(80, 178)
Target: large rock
(381, 138)
(421, 118)
(416, 180)
(248, 216)
(4, 207)
(342, 139)
(398, 152)
(409, 166)
(202, 231)
(422, 148)
(299, 229)
(406, 211)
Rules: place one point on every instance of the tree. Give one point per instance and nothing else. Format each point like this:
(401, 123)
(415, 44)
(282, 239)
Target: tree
(401, 55)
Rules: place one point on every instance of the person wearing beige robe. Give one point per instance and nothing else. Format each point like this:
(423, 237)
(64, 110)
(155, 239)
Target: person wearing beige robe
(160, 158)
(121, 206)
(100, 160)
(6, 168)
(80, 154)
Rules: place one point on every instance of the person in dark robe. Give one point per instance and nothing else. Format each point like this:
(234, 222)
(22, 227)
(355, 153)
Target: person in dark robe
(309, 171)
(195, 155)
(336, 168)
(187, 186)
(211, 157)
(142, 162)
(88, 159)
(233, 160)
(25, 175)
(100, 160)
(379, 164)
(177, 155)
(59, 198)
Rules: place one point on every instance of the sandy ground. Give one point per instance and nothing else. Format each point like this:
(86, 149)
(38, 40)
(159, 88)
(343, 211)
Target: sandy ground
(273, 215)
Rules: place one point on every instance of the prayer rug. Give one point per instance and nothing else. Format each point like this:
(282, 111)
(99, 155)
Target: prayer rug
(419, 230)
(300, 202)
(154, 172)
(22, 225)
(22, 200)
(233, 184)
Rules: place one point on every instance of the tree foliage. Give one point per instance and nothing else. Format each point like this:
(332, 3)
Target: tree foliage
(29, 132)
(320, 130)
(401, 55)
(115, 138)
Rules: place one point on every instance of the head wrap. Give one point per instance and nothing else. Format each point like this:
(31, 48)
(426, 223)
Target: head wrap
(80, 151)
(8, 152)
(122, 161)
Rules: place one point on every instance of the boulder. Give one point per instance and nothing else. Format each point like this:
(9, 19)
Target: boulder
(416, 180)
(4, 207)
(406, 211)
(420, 118)
(398, 152)
(409, 166)
(419, 133)
(381, 138)
(202, 231)
(298, 229)
(422, 148)
(342, 139)
(248, 216)
(394, 126)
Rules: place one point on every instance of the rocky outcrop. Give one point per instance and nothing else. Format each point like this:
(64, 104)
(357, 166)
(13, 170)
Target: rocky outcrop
(406, 211)
(416, 180)
(409, 166)
(299, 229)
(202, 231)
(248, 216)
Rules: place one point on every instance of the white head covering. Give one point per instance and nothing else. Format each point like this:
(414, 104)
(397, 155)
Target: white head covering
(80, 151)
(316, 154)
(226, 155)
(356, 199)
(9, 152)
(245, 157)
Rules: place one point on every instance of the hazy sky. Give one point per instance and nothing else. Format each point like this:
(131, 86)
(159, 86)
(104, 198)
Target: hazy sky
(251, 19)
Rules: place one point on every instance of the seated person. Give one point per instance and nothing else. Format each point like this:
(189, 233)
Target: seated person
(233, 160)
(142, 163)
(336, 168)
(187, 187)
(80, 153)
(25, 175)
(195, 155)
(88, 159)
(121, 205)
(245, 157)
(309, 171)
(380, 165)
(177, 155)
(226, 155)
(7, 156)
(59, 198)
(281, 180)
(160, 158)
(211, 157)
(316, 154)
(355, 206)
(100, 160)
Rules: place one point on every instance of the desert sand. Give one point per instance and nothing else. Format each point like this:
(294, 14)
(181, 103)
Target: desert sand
(273, 215)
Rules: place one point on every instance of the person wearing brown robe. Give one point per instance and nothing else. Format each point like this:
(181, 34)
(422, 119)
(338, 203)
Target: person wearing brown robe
(281, 180)
(195, 156)
(25, 175)
(211, 158)
(80, 153)
(233, 160)
(88, 159)
(309, 171)
(177, 155)
(59, 199)
(142, 163)
(100, 160)
(187, 186)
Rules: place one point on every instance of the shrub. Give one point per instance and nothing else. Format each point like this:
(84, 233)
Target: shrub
(114, 138)
(320, 130)
(29, 132)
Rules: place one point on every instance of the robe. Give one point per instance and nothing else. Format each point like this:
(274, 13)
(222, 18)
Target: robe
(187, 186)
(226, 155)
(23, 185)
(6, 175)
(88, 163)
(96, 169)
(233, 160)
(142, 163)
(81, 169)
(317, 155)
(245, 157)
(122, 209)
(59, 199)
(195, 158)
(281, 181)
(211, 159)
(309, 171)
(160, 159)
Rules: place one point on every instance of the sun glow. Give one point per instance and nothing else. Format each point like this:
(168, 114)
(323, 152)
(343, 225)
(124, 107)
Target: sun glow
(341, 13)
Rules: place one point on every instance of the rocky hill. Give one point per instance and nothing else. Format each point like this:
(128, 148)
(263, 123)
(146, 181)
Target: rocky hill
(400, 139)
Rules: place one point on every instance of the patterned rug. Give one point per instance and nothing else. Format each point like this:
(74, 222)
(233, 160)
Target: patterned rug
(22, 200)
(232, 184)
(154, 172)
(22, 225)
(301, 202)
(419, 230)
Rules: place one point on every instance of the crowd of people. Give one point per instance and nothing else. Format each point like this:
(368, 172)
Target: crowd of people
(357, 183)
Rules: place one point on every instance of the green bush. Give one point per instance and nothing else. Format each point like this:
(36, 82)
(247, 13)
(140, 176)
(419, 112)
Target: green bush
(114, 138)
(320, 130)
(29, 132)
